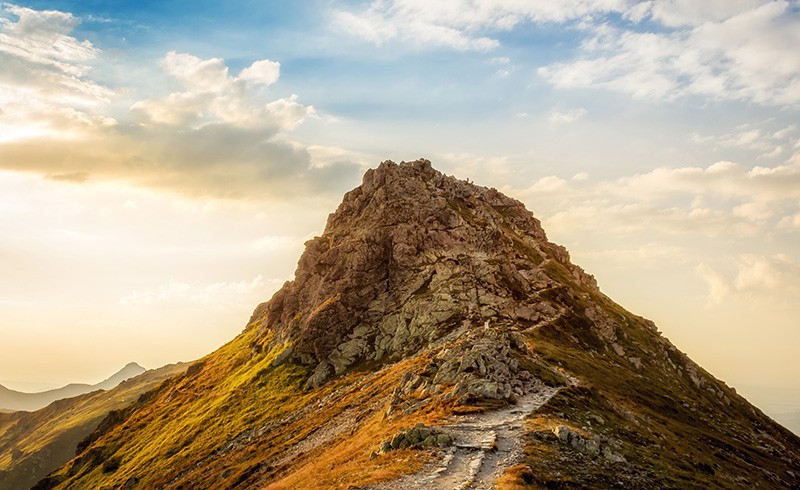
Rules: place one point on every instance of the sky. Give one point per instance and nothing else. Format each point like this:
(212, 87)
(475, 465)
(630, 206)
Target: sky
(162, 163)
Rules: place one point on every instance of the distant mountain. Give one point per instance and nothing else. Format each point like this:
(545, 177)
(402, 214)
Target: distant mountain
(434, 338)
(32, 444)
(12, 400)
(129, 371)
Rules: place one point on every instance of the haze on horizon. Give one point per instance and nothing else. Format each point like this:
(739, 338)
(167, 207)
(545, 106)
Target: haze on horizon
(162, 163)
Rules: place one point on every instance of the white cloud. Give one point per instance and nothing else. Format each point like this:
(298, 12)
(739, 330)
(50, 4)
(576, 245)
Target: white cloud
(218, 133)
(677, 13)
(723, 199)
(265, 72)
(790, 223)
(755, 211)
(558, 117)
(745, 52)
(42, 38)
(725, 221)
(769, 142)
(720, 49)
(756, 278)
(722, 179)
(44, 84)
(459, 24)
(197, 74)
(211, 95)
(379, 29)
(549, 184)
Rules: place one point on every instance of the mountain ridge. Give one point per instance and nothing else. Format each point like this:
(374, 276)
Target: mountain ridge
(428, 302)
(13, 400)
(32, 444)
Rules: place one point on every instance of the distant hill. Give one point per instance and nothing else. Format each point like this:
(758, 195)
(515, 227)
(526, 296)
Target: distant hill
(12, 400)
(32, 444)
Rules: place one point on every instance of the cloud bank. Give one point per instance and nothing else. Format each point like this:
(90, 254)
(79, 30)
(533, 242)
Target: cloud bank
(219, 134)
(726, 50)
(722, 221)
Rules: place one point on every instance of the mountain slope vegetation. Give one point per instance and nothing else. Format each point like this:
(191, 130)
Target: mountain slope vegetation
(32, 444)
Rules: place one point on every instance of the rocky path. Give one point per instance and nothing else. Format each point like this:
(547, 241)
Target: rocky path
(484, 446)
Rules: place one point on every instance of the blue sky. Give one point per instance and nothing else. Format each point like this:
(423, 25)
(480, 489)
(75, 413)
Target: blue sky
(162, 163)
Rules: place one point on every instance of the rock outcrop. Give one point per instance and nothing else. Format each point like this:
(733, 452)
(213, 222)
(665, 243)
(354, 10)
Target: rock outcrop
(408, 257)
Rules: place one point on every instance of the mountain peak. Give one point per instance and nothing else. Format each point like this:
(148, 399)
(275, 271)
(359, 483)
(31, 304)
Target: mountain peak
(128, 371)
(408, 257)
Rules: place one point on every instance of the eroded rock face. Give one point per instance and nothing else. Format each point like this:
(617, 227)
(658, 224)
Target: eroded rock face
(408, 257)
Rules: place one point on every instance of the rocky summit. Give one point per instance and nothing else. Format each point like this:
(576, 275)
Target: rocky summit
(412, 257)
(434, 338)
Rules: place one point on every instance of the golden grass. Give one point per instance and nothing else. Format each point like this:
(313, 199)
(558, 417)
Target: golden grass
(517, 477)
(233, 392)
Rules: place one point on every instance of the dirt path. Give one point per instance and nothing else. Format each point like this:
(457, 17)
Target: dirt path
(485, 445)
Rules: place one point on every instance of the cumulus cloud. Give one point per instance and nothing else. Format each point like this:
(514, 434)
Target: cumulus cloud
(759, 278)
(45, 89)
(219, 134)
(264, 72)
(212, 95)
(37, 54)
(744, 52)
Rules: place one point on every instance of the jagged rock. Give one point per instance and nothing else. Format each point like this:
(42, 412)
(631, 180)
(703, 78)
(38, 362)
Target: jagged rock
(418, 437)
(453, 254)
(610, 455)
(282, 357)
(322, 373)
(443, 440)
(398, 441)
(590, 446)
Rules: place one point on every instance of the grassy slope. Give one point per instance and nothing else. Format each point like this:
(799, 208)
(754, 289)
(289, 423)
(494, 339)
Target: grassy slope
(217, 425)
(673, 431)
(236, 421)
(32, 444)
